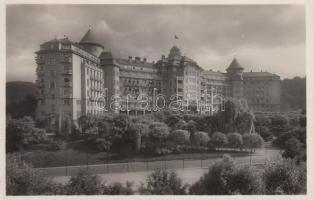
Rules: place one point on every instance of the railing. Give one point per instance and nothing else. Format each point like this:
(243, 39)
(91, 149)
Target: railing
(67, 72)
(68, 84)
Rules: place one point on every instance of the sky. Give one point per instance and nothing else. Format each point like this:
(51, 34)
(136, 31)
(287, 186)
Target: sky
(262, 37)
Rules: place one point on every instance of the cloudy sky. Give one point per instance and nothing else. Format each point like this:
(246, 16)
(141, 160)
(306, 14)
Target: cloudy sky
(269, 37)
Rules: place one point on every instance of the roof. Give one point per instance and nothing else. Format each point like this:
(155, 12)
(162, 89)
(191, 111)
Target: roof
(134, 63)
(90, 37)
(259, 74)
(211, 72)
(234, 65)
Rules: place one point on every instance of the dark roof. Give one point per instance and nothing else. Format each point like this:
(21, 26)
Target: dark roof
(234, 65)
(63, 41)
(90, 37)
(135, 63)
(259, 74)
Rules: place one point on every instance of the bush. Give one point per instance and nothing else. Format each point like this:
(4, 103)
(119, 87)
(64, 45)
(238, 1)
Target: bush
(264, 132)
(179, 137)
(245, 180)
(292, 148)
(215, 181)
(23, 179)
(200, 138)
(162, 182)
(181, 124)
(218, 140)
(285, 177)
(252, 141)
(84, 184)
(118, 189)
(224, 178)
(235, 140)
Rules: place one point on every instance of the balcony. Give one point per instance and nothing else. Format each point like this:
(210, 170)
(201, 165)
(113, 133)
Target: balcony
(40, 85)
(40, 73)
(67, 60)
(40, 60)
(68, 84)
(67, 96)
(67, 72)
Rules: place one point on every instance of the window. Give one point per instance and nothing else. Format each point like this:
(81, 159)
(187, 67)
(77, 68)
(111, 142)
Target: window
(66, 102)
(51, 60)
(78, 102)
(52, 85)
(53, 96)
(52, 73)
(66, 80)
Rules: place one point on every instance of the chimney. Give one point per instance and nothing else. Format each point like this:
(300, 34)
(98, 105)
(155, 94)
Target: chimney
(163, 57)
(137, 59)
(130, 58)
(144, 60)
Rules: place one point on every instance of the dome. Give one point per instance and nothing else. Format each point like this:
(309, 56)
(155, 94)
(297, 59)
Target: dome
(90, 43)
(234, 65)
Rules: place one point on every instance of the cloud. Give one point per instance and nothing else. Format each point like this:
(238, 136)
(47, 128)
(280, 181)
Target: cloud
(210, 34)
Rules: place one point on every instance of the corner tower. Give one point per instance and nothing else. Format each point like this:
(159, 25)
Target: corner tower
(235, 74)
(91, 43)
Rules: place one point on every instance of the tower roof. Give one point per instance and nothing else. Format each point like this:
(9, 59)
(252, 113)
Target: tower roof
(234, 65)
(90, 37)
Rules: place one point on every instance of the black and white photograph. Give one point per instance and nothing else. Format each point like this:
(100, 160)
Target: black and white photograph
(155, 99)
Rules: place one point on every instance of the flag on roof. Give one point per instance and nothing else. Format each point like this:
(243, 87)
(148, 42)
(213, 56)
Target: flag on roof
(176, 37)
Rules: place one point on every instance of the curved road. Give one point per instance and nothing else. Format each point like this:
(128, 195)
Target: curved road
(188, 170)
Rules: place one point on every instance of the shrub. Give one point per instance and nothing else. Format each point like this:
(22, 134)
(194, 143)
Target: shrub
(84, 184)
(292, 148)
(136, 132)
(245, 180)
(215, 181)
(158, 130)
(235, 140)
(252, 140)
(181, 124)
(162, 182)
(23, 179)
(285, 177)
(200, 138)
(118, 189)
(179, 137)
(218, 140)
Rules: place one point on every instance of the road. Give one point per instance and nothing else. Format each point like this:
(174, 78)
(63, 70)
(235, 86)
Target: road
(189, 170)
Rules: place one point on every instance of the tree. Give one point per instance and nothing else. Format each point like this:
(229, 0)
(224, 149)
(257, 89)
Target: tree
(20, 132)
(163, 182)
(157, 137)
(252, 141)
(235, 140)
(136, 132)
(285, 177)
(200, 138)
(87, 123)
(292, 148)
(23, 179)
(215, 181)
(218, 140)
(158, 130)
(181, 124)
(264, 132)
(302, 121)
(179, 137)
